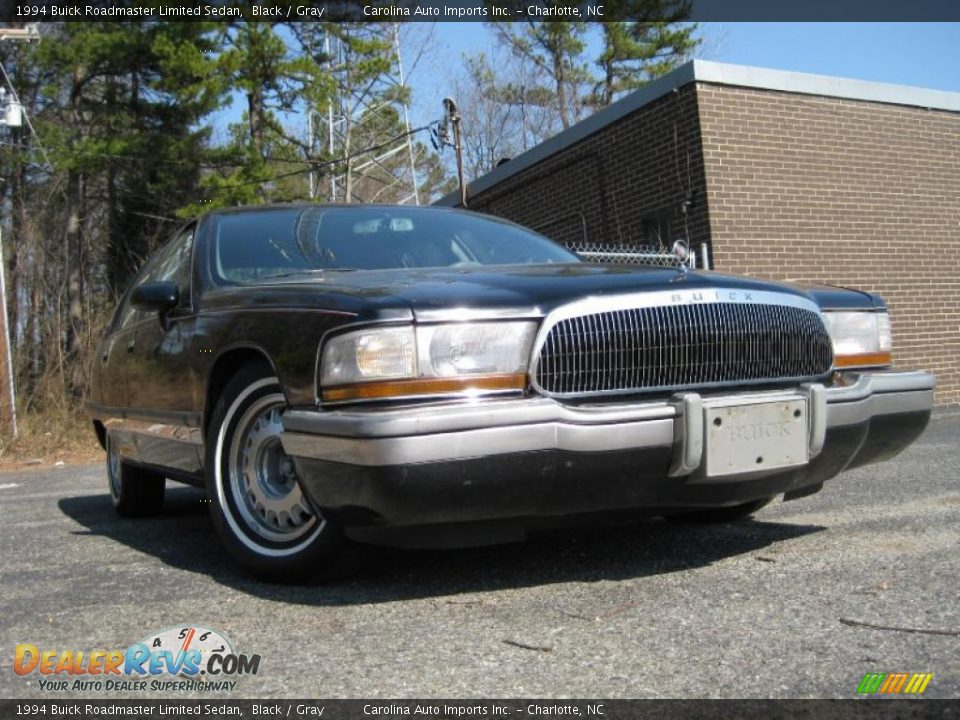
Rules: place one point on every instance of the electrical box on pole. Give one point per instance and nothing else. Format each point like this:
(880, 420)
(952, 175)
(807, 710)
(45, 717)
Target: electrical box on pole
(13, 114)
(11, 111)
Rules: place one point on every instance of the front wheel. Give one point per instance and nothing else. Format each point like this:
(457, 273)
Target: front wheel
(258, 508)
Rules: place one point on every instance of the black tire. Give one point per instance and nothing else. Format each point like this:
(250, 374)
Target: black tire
(258, 509)
(135, 491)
(719, 515)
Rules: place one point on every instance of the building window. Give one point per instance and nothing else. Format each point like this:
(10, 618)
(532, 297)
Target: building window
(655, 231)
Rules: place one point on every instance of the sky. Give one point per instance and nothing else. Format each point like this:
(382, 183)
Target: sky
(921, 54)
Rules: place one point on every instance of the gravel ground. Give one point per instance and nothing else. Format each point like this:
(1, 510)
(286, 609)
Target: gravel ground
(638, 610)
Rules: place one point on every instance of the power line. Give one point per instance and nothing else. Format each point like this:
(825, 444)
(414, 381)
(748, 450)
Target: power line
(312, 162)
(73, 152)
(325, 163)
(26, 115)
(301, 171)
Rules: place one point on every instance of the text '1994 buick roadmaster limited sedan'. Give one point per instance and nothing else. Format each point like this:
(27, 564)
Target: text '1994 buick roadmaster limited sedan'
(332, 372)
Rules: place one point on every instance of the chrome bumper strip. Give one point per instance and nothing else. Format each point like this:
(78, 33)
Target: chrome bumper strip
(419, 434)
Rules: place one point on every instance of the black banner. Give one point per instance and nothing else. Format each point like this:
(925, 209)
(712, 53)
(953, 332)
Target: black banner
(26, 11)
(482, 709)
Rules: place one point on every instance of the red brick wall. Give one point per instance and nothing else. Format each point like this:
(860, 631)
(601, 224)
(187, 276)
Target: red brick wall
(862, 194)
(613, 180)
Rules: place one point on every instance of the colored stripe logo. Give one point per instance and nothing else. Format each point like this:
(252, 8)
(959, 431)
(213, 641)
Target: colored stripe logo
(894, 683)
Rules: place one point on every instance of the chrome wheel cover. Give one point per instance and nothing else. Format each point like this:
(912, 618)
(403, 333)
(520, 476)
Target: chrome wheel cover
(262, 479)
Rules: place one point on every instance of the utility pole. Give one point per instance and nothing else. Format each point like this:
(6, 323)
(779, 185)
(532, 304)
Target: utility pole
(7, 357)
(11, 116)
(453, 117)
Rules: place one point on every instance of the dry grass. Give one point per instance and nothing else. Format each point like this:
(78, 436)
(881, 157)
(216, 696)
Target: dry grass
(48, 437)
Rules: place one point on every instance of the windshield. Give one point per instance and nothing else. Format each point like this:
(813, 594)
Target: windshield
(253, 246)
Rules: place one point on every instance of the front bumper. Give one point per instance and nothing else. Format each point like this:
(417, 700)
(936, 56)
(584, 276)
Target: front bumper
(497, 459)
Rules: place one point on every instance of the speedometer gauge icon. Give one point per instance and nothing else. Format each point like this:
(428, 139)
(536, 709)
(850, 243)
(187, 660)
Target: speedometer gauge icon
(180, 640)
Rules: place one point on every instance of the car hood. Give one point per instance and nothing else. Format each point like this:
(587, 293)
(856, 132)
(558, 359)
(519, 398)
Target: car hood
(530, 290)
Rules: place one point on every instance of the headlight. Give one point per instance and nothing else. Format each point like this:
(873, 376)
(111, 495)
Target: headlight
(860, 339)
(369, 355)
(453, 359)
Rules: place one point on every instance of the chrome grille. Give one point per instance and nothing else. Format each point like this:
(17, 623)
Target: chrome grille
(682, 346)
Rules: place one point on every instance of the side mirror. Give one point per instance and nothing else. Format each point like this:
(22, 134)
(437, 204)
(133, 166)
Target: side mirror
(156, 296)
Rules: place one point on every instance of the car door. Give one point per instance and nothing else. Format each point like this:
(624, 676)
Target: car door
(113, 381)
(116, 368)
(159, 366)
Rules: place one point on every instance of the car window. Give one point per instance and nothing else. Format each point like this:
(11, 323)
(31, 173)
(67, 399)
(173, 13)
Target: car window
(250, 246)
(174, 264)
(170, 262)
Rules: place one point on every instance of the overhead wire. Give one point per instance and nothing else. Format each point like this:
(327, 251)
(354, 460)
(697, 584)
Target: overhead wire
(26, 115)
(312, 162)
(324, 163)
(146, 194)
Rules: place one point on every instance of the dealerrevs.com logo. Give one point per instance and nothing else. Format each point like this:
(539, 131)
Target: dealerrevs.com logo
(189, 658)
(894, 683)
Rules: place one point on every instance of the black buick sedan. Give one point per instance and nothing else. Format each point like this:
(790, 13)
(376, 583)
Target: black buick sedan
(376, 372)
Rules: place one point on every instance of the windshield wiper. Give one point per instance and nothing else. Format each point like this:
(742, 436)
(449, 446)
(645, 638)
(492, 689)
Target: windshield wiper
(292, 273)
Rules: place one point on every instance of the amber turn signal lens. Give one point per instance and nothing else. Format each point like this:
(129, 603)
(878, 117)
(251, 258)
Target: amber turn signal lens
(426, 386)
(880, 359)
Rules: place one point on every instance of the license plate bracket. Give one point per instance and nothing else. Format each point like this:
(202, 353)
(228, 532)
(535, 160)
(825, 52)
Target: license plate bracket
(742, 437)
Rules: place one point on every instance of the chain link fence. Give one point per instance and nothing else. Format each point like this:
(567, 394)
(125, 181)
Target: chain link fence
(650, 255)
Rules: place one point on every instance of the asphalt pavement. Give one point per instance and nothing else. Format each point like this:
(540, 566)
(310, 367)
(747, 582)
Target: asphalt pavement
(780, 607)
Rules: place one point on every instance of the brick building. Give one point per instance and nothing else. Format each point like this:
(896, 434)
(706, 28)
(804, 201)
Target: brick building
(780, 175)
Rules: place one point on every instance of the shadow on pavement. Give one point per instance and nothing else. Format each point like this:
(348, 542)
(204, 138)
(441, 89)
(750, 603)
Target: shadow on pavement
(183, 537)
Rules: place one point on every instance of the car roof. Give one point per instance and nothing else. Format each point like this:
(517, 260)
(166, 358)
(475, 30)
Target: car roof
(240, 209)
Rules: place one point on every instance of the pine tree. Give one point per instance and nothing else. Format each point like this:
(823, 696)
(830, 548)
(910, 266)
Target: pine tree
(556, 49)
(655, 39)
(254, 61)
(121, 120)
(641, 50)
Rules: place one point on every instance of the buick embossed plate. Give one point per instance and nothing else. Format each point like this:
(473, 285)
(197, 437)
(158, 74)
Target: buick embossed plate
(758, 436)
